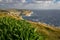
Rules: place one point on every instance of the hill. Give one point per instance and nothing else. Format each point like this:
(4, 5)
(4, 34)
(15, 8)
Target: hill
(12, 27)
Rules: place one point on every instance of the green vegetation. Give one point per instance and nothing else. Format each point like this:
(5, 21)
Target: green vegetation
(12, 29)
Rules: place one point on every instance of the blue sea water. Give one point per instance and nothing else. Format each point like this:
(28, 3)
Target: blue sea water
(51, 17)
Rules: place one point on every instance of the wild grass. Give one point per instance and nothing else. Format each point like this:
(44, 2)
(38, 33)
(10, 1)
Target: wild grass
(12, 29)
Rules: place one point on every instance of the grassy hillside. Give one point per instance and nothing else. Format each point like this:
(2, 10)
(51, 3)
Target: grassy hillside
(14, 28)
(51, 32)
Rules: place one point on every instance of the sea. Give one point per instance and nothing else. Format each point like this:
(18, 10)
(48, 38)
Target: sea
(51, 17)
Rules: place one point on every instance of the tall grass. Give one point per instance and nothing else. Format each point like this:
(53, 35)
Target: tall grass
(12, 29)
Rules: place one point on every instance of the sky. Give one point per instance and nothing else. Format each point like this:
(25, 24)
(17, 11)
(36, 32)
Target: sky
(30, 4)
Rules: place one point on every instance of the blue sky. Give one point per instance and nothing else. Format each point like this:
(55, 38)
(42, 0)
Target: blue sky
(30, 4)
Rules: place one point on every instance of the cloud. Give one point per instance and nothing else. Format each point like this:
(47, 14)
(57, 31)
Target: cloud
(23, 1)
(43, 0)
(42, 5)
(0, 0)
(11, 1)
(20, 4)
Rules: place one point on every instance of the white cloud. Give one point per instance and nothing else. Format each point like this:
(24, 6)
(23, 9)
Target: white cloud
(0, 0)
(23, 1)
(42, 5)
(36, 5)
